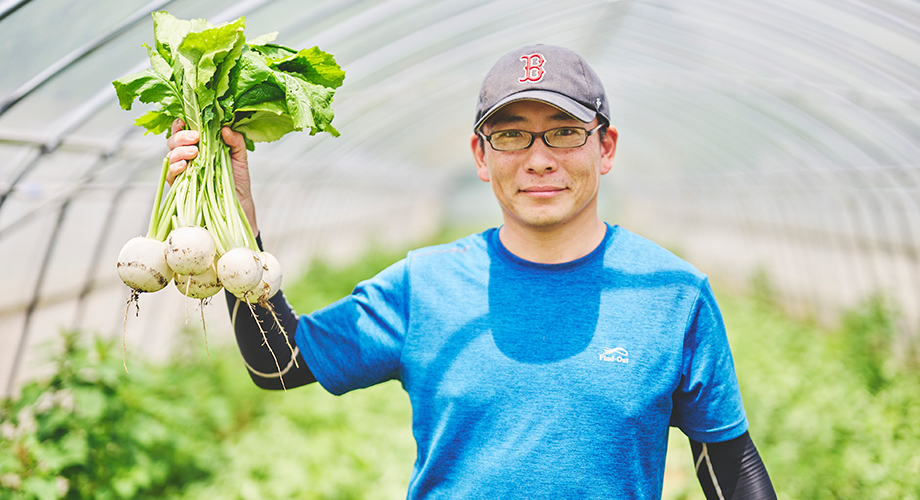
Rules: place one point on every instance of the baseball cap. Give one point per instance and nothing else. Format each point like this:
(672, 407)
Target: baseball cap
(547, 73)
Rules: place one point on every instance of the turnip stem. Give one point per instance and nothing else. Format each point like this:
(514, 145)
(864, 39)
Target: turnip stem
(154, 214)
(247, 238)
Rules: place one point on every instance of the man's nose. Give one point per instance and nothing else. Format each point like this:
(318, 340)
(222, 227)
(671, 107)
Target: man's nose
(540, 158)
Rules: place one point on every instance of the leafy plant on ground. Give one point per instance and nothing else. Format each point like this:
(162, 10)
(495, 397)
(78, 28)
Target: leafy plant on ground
(867, 337)
(93, 431)
(829, 423)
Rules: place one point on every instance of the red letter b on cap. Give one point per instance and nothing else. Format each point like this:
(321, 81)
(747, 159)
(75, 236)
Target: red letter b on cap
(533, 68)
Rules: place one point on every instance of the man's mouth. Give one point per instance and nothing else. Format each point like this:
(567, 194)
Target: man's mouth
(543, 191)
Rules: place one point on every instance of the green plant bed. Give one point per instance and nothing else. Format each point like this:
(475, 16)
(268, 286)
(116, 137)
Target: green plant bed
(95, 431)
(197, 429)
(831, 418)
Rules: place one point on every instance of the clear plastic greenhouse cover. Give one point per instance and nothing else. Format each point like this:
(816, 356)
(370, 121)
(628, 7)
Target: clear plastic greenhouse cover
(778, 137)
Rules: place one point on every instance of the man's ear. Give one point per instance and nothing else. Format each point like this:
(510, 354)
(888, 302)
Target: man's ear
(479, 156)
(608, 148)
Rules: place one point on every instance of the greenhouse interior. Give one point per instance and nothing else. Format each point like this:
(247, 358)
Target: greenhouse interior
(775, 145)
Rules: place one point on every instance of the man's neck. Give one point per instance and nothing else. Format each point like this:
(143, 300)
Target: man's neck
(553, 246)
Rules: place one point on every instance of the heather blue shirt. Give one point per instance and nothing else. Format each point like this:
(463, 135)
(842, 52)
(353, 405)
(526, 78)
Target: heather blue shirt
(536, 380)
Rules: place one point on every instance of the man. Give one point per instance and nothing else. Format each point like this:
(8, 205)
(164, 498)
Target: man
(546, 358)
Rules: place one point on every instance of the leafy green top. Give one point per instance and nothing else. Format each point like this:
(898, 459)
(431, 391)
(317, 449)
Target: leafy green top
(209, 76)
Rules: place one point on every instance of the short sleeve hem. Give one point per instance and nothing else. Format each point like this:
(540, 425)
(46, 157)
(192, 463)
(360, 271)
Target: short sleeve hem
(718, 435)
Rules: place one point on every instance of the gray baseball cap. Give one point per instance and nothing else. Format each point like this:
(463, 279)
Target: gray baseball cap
(547, 73)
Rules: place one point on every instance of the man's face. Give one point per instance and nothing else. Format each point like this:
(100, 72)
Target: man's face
(543, 188)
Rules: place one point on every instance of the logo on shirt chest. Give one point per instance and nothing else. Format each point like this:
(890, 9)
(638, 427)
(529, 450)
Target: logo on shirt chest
(615, 355)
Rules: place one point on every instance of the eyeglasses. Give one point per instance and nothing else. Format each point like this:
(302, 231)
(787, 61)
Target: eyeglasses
(562, 137)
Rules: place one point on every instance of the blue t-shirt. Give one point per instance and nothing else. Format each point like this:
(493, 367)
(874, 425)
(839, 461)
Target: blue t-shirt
(533, 380)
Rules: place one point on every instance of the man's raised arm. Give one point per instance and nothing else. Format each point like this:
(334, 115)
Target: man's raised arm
(265, 336)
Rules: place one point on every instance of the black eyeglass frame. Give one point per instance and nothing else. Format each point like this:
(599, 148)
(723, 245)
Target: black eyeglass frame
(541, 135)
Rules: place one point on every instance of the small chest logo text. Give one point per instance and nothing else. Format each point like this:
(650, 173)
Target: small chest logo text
(615, 355)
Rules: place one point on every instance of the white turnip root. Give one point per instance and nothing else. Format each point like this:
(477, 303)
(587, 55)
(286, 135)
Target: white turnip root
(142, 265)
(239, 270)
(199, 286)
(271, 279)
(269, 286)
(271, 273)
(190, 250)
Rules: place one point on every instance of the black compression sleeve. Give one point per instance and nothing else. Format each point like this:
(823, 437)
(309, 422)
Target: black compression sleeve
(269, 351)
(732, 470)
(276, 364)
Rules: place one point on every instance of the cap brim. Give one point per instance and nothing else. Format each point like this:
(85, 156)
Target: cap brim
(578, 111)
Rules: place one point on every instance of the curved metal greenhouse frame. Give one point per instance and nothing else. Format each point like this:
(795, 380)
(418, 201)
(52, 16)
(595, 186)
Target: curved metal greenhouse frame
(773, 137)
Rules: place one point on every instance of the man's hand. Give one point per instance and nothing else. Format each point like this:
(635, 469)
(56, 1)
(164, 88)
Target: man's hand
(183, 147)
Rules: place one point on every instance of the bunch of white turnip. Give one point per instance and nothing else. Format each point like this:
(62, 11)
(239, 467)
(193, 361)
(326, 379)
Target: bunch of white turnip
(210, 77)
(177, 249)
